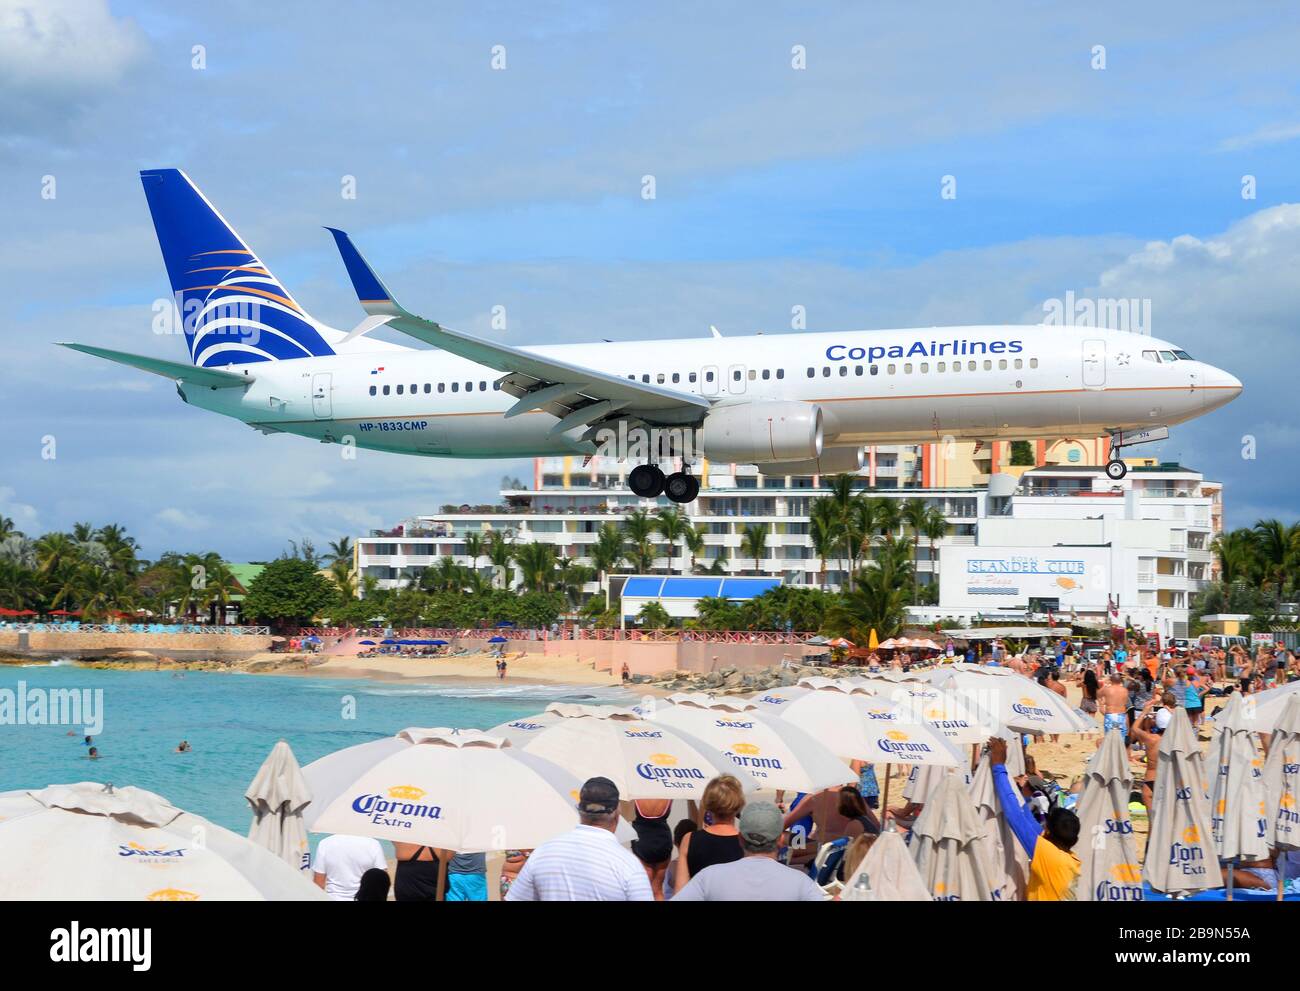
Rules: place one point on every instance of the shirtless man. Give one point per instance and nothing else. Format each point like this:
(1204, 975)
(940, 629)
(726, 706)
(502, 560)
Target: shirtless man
(1113, 700)
(1144, 732)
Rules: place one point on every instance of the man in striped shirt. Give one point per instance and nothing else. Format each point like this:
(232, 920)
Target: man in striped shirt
(587, 864)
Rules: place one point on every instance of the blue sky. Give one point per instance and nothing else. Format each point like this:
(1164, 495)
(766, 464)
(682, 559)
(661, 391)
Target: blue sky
(520, 187)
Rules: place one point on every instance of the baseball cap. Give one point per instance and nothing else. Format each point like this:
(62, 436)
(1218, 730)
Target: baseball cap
(599, 796)
(760, 824)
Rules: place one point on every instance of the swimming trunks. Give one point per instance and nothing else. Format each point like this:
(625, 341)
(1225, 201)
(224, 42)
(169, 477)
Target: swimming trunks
(1116, 721)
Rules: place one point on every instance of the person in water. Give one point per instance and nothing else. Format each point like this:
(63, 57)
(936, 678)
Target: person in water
(93, 752)
(183, 747)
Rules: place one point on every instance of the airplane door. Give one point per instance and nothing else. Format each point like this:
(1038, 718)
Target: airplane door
(736, 379)
(709, 380)
(1094, 364)
(322, 405)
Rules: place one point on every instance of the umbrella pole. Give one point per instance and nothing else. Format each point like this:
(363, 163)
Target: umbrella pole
(884, 800)
(442, 880)
(1232, 868)
(1281, 875)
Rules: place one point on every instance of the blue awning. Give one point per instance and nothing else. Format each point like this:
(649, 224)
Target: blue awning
(696, 587)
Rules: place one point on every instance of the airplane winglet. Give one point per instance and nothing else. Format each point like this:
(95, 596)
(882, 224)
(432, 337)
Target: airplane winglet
(373, 295)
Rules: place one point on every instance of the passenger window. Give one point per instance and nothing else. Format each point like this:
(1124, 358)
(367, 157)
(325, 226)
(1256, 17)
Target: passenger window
(386, 390)
(1033, 362)
(956, 366)
(767, 374)
(735, 375)
(659, 379)
(811, 372)
(844, 370)
(907, 368)
(826, 371)
(442, 386)
(496, 386)
(857, 369)
(875, 369)
(708, 376)
(941, 366)
(455, 387)
(890, 369)
(469, 386)
(1002, 364)
(1020, 363)
(645, 378)
(414, 388)
(925, 367)
(373, 390)
(399, 390)
(482, 387)
(676, 377)
(780, 373)
(753, 375)
(970, 365)
(691, 377)
(988, 365)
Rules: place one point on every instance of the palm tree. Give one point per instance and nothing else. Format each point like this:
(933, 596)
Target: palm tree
(606, 551)
(500, 552)
(913, 514)
(674, 525)
(1276, 545)
(753, 543)
(341, 550)
(878, 599)
(570, 577)
(824, 530)
(54, 549)
(341, 572)
(638, 535)
(536, 564)
(473, 548)
(693, 542)
(7, 528)
(934, 529)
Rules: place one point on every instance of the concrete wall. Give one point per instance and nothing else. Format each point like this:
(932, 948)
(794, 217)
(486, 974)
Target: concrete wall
(170, 644)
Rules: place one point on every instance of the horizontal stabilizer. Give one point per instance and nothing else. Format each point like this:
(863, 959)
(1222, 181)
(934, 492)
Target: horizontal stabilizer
(214, 378)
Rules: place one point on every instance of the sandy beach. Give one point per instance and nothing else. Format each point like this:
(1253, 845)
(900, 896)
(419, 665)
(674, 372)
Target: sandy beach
(529, 667)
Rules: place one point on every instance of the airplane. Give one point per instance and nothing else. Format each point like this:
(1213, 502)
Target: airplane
(796, 403)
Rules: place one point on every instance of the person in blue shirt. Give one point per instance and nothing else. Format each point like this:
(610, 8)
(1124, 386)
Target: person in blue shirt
(1053, 867)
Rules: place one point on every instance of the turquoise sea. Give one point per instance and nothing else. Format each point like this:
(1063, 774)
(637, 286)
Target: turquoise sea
(232, 721)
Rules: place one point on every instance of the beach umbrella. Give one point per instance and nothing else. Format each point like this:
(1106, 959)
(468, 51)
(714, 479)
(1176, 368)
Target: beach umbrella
(890, 871)
(1006, 859)
(859, 727)
(873, 643)
(92, 842)
(389, 640)
(947, 846)
(1264, 709)
(1282, 784)
(497, 640)
(1180, 855)
(1109, 870)
(1009, 699)
(944, 710)
(461, 790)
(366, 643)
(505, 623)
(644, 759)
(278, 794)
(1239, 816)
(776, 753)
(839, 642)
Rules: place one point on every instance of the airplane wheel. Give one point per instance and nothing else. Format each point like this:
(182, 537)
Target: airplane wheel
(1115, 470)
(646, 481)
(681, 487)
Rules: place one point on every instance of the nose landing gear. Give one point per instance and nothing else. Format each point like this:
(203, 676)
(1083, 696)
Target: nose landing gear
(1116, 469)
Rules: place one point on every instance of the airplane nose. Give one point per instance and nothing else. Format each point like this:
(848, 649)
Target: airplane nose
(1221, 387)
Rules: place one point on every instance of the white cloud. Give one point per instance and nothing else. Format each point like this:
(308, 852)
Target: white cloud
(1269, 134)
(182, 519)
(24, 516)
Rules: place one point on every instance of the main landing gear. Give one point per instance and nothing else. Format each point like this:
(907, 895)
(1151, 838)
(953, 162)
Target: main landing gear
(648, 482)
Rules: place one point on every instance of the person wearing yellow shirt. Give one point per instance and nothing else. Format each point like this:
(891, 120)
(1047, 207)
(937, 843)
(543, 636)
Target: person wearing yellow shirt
(1053, 868)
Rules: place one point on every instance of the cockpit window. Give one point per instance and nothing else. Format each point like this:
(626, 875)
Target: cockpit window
(1184, 356)
(1151, 356)
(1167, 356)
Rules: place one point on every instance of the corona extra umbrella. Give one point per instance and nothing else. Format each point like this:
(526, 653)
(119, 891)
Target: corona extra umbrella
(644, 759)
(1282, 783)
(945, 711)
(1264, 709)
(461, 790)
(92, 842)
(278, 794)
(1007, 862)
(1239, 817)
(1012, 700)
(1180, 855)
(775, 752)
(1107, 849)
(859, 727)
(947, 846)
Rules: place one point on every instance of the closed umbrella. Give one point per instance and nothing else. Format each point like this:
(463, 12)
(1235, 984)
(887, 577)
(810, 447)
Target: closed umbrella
(1282, 784)
(1012, 700)
(645, 760)
(92, 842)
(1108, 861)
(947, 846)
(890, 871)
(775, 752)
(278, 794)
(1239, 817)
(1180, 855)
(1006, 859)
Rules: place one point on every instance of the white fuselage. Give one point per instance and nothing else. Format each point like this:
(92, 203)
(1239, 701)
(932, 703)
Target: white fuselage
(874, 387)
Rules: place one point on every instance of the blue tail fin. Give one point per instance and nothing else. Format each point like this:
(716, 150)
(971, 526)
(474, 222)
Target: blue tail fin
(234, 310)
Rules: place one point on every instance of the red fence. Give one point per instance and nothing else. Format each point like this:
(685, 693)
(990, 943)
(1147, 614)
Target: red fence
(563, 633)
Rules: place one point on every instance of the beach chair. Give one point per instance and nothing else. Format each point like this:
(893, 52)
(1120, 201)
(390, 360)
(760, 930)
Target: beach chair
(828, 859)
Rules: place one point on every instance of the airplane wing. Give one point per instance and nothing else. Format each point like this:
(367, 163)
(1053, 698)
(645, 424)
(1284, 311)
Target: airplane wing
(213, 378)
(578, 395)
